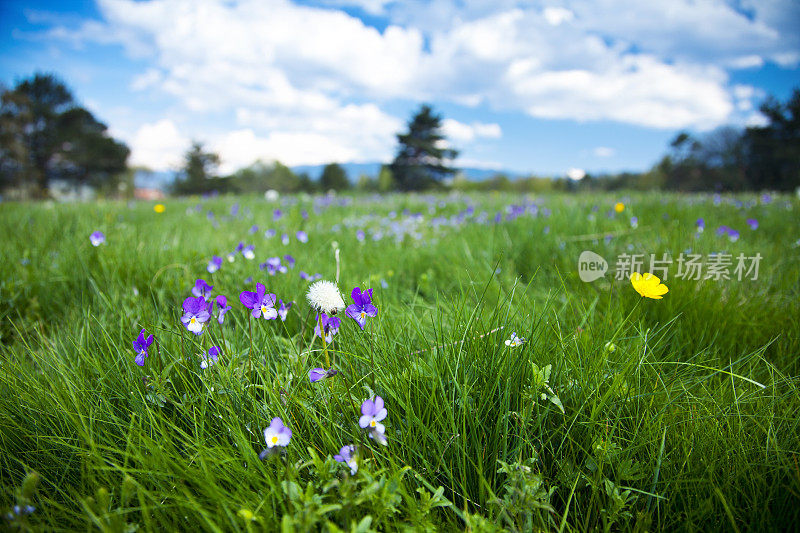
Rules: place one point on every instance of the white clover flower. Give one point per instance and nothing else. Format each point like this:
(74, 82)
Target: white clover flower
(325, 296)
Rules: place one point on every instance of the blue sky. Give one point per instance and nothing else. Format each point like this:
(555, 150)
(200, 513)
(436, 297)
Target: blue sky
(528, 86)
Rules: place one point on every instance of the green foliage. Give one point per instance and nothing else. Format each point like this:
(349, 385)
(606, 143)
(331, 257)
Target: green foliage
(616, 414)
(333, 177)
(774, 149)
(46, 135)
(199, 167)
(386, 182)
(421, 161)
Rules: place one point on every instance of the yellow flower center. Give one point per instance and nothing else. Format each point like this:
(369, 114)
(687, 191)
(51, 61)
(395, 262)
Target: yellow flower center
(362, 314)
(275, 440)
(193, 320)
(264, 309)
(372, 423)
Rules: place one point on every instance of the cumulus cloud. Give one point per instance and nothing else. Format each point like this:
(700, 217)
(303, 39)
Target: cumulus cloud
(576, 174)
(158, 145)
(460, 132)
(303, 72)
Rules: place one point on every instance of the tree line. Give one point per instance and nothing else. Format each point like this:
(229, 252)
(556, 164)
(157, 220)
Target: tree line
(46, 136)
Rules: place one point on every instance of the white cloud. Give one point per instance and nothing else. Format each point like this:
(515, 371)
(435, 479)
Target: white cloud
(604, 151)
(299, 74)
(149, 78)
(556, 16)
(576, 173)
(460, 132)
(158, 146)
(243, 147)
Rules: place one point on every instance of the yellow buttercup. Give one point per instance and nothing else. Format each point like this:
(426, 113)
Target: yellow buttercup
(648, 285)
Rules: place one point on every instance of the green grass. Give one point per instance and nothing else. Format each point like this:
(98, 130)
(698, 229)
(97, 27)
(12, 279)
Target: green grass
(688, 423)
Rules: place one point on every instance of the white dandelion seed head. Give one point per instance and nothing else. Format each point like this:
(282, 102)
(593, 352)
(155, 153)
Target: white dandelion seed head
(325, 296)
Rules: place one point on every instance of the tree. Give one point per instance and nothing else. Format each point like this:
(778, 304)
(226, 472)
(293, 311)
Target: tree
(773, 151)
(422, 157)
(260, 177)
(386, 181)
(88, 155)
(199, 167)
(333, 177)
(46, 135)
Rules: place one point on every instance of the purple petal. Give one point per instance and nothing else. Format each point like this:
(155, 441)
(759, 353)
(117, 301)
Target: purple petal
(367, 408)
(249, 299)
(356, 295)
(316, 374)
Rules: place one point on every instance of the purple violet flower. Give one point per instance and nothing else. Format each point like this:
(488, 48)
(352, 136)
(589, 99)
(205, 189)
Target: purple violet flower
(302, 236)
(347, 455)
(222, 308)
(289, 261)
(362, 307)
(277, 436)
(284, 239)
(254, 229)
(249, 251)
(195, 314)
(372, 412)
(213, 357)
(753, 223)
(330, 324)
(97, 238)
(214, 264)
(201, 289)
(140, 346)
(316, 374)
(283, 310)
(269, 233)
(261, 302)
(273, 266)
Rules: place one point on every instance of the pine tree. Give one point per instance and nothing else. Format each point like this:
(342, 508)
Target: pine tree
(422, 158)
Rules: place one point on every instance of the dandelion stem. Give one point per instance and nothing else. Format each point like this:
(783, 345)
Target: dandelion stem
(324, 341)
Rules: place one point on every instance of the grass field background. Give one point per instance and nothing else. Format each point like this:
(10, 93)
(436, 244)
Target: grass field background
(617, 413)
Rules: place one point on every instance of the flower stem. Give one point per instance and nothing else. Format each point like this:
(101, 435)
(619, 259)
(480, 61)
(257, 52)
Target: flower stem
(324, 342)
(250, 353)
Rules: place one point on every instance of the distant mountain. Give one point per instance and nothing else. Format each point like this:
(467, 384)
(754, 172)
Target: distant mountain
(162, 179)
(354, 170)
(146, 179)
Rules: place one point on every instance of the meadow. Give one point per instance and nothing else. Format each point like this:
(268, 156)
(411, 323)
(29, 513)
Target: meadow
(518, 396)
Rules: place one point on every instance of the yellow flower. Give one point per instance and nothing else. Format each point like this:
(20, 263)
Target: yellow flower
(159, 208)
(648, 285)
(619, 207)
(246, 514)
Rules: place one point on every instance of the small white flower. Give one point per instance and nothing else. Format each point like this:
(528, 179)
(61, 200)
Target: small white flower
(325, 296)
(514, 341)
